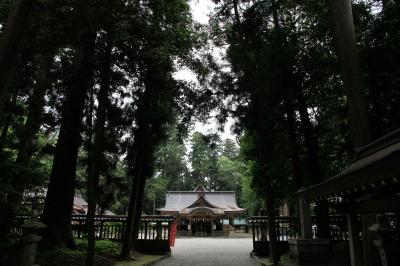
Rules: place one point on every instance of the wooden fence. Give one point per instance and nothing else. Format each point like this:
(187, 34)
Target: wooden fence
(112, 227)
(289, 227)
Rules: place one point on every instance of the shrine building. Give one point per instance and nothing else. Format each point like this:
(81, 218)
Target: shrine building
(202, 213)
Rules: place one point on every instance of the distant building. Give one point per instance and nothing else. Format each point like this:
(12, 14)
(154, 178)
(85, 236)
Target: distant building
(201, 212)
(81, 207)
(35, 200)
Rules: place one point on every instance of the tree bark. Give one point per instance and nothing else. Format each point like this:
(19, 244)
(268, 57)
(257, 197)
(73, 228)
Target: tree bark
(360, 131)
(293, 146)
(11, 44)
(311, 142)
(343, 26)
(7, 122)
(140, 155)
(60, 194)
(146, 136)
(273, 249)
(97, 154)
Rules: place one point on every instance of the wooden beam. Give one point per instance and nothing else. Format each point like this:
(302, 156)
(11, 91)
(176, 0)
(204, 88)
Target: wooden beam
(391, 203)
(354, 241)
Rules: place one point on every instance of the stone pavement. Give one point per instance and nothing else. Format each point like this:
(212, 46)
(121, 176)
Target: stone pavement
(210, 251)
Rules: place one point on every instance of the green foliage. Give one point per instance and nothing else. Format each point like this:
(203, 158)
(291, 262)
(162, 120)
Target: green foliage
(155, 191)
(229, 174)
(106, 254)
(104, 248)
(203, 159)
(170, 162)
(249, 199)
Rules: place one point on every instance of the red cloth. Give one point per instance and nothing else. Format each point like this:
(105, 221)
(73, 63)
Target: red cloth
(172, 234)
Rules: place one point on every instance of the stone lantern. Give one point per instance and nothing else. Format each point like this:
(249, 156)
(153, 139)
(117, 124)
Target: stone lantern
(30, 239)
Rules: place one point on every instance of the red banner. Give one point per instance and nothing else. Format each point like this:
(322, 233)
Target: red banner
(172, 234)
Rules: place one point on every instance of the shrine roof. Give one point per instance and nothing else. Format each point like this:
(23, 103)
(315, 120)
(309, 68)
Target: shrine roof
(217, 201)
(375, 165)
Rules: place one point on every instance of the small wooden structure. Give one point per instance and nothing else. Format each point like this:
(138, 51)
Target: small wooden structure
(202, 213)
(369, 185)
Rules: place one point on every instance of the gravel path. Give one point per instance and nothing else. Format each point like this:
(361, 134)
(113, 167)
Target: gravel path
(210, 251)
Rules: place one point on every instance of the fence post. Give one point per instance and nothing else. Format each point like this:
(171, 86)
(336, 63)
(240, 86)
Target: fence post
(145, 230)
(354, 242)
(101, 229)
(305, 219)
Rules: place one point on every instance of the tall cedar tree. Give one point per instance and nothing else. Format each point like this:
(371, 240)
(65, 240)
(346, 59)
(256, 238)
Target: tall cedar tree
(147, 135)
(97, 150)
(343, 28)
(57, 211)
(157, 98)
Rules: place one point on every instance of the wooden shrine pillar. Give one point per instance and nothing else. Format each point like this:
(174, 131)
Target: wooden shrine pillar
(354, 241)
(305, 219)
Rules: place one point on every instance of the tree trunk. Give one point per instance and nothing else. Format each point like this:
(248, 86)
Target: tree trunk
(140, 152)
(293, 146)
(11, 43)
(273, 249)
(342, 23)
(60, 194)
(36, 104)
(97, 157)
(322, 210)
(7, 122)
(360, 131)
(28, 137)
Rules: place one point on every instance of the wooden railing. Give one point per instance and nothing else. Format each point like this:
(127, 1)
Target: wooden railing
(285, 227)
(337, 226)
(288, 227)
(112, 227)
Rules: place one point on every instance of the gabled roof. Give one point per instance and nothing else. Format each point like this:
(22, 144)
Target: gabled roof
(183, 201)
(200, 188)
(201, 202)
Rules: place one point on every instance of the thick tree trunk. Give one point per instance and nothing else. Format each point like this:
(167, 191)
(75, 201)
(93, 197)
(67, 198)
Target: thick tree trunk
(343, 26)
(322, 210)
(269, 195)
(293, 146)
(11, 43)
(342, 23)
(60, 194)
(140, 152)
(97, 157)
